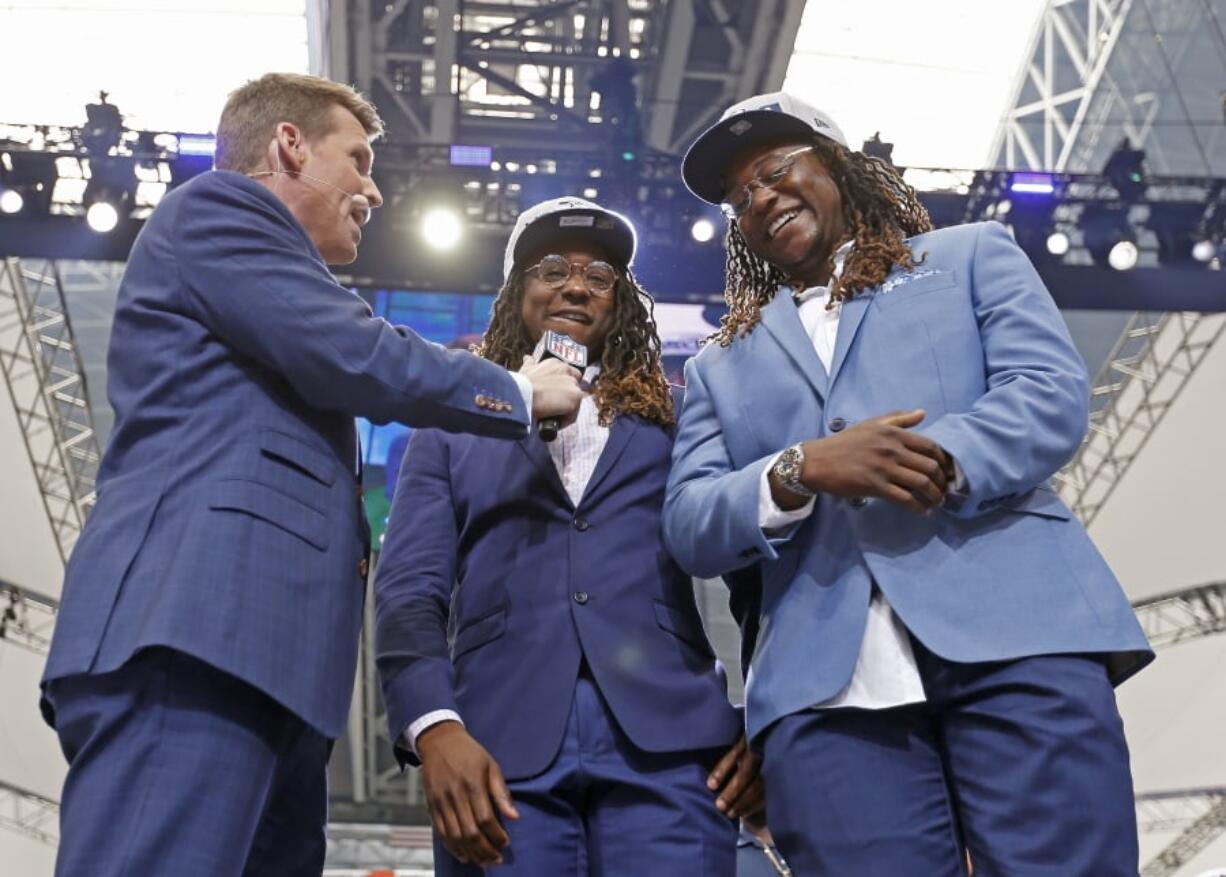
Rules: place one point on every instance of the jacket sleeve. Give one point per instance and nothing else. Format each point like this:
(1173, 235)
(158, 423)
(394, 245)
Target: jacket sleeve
(711, 523)
(413, 588)
(252, 277)
(1032, 417)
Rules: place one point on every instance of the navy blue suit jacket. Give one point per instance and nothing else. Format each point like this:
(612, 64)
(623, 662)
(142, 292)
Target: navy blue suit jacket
(229, 522)
(485, 545)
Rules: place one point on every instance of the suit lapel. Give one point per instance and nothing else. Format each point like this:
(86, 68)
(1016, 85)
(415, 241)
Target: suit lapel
(539, 455)
(782, 320)
(850, 317)
(620, 433)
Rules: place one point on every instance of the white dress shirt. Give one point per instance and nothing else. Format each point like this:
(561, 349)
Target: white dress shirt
(885, 674)
(575, 452)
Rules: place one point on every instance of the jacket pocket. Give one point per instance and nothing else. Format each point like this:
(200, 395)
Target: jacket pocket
(1041, 501)
(906, 287)
(478, 633)
(683, 626)
(265, 503)
(309, 459)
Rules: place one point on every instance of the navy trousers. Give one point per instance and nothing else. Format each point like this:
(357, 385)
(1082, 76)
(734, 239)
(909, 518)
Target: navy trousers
(174, 766)
(1023, 764)
(605, 808)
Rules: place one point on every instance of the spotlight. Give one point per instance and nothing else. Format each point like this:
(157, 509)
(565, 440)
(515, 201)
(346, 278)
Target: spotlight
(102, 216)
(703, 230)
(11, 201)
(1105, 228)
(103, 127)
(1125, 170)
(1123, 256)
(875, 147)
(441, 228)
(1057, 243)
(1204, 251)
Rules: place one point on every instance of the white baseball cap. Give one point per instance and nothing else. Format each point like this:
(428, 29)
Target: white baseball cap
(547, 219)
(761, 118)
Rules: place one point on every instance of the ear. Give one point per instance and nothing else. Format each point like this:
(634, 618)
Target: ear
(289, 147)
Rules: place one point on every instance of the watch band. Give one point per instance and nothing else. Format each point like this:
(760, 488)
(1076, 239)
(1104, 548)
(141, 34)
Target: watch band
(787, 470)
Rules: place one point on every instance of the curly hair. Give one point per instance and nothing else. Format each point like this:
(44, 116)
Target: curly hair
(879, 209)
(632, 379)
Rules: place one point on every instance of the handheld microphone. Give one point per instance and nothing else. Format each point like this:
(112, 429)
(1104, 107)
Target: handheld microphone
(571, 352)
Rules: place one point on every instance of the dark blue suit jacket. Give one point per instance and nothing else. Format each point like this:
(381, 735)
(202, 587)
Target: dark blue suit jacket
(484, 545)
(229, 523)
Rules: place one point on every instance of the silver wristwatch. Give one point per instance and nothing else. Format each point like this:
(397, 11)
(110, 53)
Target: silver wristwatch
(787, 470)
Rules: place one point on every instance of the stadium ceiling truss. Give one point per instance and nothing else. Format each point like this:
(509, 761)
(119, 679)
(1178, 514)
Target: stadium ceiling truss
(40, 363)
(29, 814)
(512, 72)
(1199, 815)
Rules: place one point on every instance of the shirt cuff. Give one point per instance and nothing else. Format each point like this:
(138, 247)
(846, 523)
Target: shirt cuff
(409, 738)
(958, 488)
(771, 518)
(525, 390)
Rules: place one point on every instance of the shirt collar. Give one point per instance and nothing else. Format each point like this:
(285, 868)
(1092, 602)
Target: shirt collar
(840, 256)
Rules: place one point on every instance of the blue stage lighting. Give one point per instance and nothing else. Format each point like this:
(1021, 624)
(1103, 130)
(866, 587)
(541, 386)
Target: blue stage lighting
(197, 144)
(1032, 183)
(471, 156)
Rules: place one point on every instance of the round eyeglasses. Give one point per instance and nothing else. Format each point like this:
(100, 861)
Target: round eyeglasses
(740, 199)
(600, 278)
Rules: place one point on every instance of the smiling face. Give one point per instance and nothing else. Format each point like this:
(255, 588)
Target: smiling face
(570, 309)
(796, 224)
(335, 205)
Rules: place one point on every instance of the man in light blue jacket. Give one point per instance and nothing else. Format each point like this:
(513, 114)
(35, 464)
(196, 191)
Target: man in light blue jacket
(874, 427)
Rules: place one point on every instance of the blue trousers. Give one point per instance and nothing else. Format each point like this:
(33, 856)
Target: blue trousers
(174, 766)
(1022, 763)
(605, 808)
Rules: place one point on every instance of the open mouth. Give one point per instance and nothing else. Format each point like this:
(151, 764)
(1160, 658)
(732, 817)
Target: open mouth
(572, 317)
(779, 222)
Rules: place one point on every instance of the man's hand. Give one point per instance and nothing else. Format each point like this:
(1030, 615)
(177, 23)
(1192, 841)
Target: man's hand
(463, 786)
(736, 782)
(555, 388)
(880, 457)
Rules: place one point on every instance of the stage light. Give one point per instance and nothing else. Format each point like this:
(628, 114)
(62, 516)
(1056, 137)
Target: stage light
(11, 201)
(197, 144)
(1057, 243)
(1032, 183)
(1123, 256)
(1125, 169)
(875, 147)
(1204, 251)
(441, 228)
(703, 230)
(102, 216)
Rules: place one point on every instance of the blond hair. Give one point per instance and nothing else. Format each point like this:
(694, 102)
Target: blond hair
(253, 111)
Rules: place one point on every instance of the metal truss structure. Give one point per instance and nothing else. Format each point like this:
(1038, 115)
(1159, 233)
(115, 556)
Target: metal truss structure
(560, 72)
(361, 847)
(42, 367)
(1102, 70)
(29, 814)
(1179, 616)
(1199, 815)
(1151, 363)
(26, 618)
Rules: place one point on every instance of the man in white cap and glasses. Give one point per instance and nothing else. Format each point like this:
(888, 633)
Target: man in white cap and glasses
(577, 722)
(873, 428)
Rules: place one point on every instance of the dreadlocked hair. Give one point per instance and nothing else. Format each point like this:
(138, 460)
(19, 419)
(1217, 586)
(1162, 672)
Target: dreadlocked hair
(632, 379)
(880, 211)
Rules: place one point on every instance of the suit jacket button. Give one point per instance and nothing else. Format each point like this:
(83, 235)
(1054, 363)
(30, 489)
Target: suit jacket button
(580, 597)
(363, 568)
(858, 502)
(581, 524)
(837, 424)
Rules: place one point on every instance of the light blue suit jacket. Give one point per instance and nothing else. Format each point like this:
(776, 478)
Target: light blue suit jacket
(229, 521)
(973, 338)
